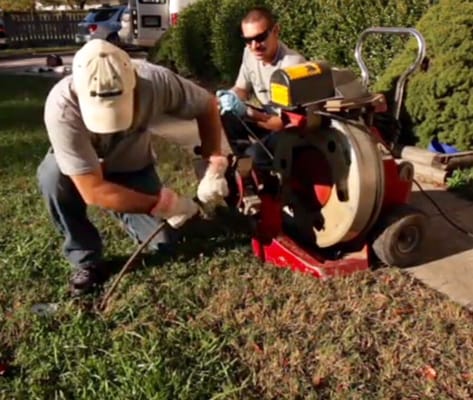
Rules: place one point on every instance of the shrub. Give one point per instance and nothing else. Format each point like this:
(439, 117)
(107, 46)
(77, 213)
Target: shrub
(227, 45)
(340, 24)
(189, 44)
(226, 29)
(461, 182)
(164, 51)
(296, 24)
(438, 99)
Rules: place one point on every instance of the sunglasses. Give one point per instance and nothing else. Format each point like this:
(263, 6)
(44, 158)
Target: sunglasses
(259, 38)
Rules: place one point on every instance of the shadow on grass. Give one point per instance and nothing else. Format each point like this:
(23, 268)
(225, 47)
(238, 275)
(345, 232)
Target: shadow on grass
(23, 139)
(20, 115)
(22, 102)
(202, 238)
(24, 153)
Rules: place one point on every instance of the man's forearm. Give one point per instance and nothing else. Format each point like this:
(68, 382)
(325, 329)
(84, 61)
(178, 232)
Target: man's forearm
(210, 130)
(273, 123)
(121, 199)
(241, 93)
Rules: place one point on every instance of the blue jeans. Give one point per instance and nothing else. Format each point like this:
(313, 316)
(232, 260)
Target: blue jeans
(239, 140)
(259, 154)
(82, 242)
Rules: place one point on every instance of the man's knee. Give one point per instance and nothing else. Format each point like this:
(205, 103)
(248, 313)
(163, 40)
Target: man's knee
(51, 181)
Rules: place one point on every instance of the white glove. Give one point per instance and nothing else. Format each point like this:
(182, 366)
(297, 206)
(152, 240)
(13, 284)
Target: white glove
(175, 209)
(213, 187)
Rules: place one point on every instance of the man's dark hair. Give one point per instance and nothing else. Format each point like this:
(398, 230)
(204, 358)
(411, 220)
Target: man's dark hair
(258, 13)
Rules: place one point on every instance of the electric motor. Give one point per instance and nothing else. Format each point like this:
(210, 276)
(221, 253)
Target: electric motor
(302, 84)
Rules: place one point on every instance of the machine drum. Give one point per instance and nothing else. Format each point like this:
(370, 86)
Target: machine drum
(399, 237)
(334, 182)
(312, 179)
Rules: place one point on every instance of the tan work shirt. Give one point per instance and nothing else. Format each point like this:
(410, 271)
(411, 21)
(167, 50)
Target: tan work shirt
(77, 150)
(255, 76)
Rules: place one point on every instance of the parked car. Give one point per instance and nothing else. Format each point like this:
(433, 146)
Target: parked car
(3, 34)
(101, 23)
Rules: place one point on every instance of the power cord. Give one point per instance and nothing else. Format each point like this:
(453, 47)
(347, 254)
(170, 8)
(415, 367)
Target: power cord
(442, 213)
(365, 129)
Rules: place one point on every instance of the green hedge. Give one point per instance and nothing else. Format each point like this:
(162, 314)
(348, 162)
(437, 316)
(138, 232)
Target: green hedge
(211, 47)
(297, 19)
(227, 46)
(206, 44)
(326, 29)
(164, 51)
(439, 100)
(187, 47)
(340, 24)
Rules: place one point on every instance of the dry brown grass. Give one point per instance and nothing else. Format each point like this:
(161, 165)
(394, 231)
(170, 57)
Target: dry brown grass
(374, 335)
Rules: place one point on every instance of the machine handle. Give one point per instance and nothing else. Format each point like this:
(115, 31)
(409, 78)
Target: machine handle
(399, 94)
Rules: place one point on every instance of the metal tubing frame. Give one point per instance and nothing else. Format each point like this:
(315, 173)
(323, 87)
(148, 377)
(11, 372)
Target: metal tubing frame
(399, 94)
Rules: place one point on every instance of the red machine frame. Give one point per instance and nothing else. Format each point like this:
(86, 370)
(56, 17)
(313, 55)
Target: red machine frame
(271, 245)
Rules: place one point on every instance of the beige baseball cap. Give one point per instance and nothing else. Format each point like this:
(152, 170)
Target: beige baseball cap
(104, 80)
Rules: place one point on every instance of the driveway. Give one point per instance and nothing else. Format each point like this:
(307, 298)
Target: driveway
(37, 65)
(34, 66)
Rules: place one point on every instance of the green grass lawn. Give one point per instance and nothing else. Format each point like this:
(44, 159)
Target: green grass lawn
(210, 324)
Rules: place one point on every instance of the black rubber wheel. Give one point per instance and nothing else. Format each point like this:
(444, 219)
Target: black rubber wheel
(399, 237)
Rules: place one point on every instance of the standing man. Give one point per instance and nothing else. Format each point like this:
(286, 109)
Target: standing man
(264, 53)
(98, 122)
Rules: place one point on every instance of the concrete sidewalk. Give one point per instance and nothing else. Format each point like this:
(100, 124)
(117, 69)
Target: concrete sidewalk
(35, 65)
(448, 263)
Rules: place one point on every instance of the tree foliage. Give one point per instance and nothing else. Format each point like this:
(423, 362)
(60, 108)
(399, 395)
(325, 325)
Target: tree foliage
(326, 29)
(17, 5)
(227, 45)
(71, 3)
(439, 97)
(192, 40)
(30, 5)
(340, 24)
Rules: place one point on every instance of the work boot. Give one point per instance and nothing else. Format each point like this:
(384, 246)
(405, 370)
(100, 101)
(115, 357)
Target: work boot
(86, 279)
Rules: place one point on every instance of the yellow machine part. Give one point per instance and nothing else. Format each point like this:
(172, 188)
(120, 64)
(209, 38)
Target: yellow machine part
(304, 70)
(301, 84)
(280, 94)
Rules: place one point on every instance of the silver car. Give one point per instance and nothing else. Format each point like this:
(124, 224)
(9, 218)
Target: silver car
(101, 23)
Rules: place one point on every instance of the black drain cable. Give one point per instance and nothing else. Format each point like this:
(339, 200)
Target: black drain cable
(442, 213)
(366, 130)
(255, 137)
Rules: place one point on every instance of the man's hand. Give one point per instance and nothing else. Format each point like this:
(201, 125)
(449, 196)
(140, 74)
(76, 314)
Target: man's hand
(230, 102)
(175, 209)
(264, 120)
(272, 123)
(257, 115)
(213, 187)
